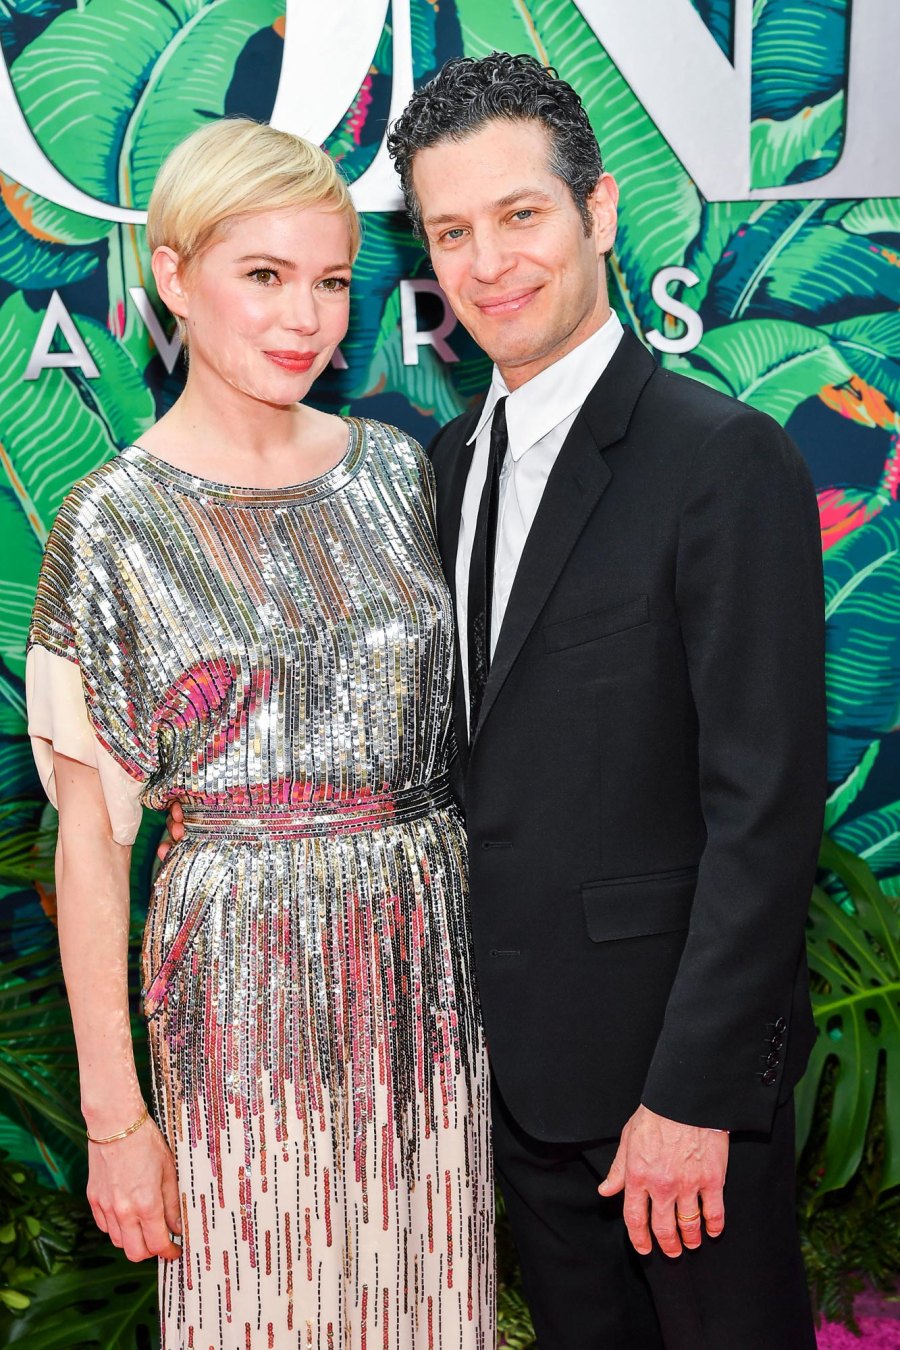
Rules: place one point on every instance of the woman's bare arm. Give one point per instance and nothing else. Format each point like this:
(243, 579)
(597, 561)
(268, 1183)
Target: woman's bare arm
(131, 1185)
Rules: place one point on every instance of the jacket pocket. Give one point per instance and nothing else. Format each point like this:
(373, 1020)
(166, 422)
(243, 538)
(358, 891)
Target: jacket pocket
(639, 906)
(601, 623)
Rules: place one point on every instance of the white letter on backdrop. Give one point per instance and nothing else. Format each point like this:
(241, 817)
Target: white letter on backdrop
(701, 102)
(42, 358)
(693, 324)
(168, 348)
(413, 339)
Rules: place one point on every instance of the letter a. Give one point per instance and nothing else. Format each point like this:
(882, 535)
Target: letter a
(78, 356)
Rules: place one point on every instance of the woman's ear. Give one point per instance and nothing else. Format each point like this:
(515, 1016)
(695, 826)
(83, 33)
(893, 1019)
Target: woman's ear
(166, 267)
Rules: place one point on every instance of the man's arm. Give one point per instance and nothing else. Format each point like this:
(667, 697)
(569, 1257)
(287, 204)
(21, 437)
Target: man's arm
(750, 604)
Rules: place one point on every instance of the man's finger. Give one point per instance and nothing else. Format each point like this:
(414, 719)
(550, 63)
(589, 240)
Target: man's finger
(689, 1217)
(713, 1211)
(665, 1227)
(635, 1214)
(614, 1181)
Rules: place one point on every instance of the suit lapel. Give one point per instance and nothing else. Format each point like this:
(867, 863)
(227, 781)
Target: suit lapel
(451, 490)
(576, 483)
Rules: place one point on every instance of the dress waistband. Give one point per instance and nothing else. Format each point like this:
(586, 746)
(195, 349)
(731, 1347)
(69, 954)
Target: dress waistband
(350, 814)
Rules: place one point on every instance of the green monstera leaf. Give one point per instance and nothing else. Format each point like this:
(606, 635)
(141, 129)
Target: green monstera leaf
(187, 86)
(55, 429)
(780, 150)
(660, 206)
(140, 76)
(789, 262)
(114, 1309)
(870, 344)
(875, 837)
(877, 215)
(711, 248)
(855, 961)
(799, 77)
(718, 15)
(769, 363)
(37, 1047)
(41, 245)
(862, 609)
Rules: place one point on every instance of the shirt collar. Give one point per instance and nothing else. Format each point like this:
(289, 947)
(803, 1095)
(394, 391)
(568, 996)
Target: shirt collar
(539, 405)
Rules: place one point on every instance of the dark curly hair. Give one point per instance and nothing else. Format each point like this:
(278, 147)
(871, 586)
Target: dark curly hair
(465, 94)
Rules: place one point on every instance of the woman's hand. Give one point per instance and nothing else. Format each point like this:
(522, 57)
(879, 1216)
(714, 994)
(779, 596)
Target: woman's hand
(133, 1193)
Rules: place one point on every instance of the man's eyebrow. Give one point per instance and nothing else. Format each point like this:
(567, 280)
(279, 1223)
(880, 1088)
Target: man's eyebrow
(517, 194)
(532, 193)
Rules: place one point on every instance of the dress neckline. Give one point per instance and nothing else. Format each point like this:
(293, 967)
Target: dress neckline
(208, 489)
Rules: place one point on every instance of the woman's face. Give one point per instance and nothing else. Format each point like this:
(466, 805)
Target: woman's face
(267, 303)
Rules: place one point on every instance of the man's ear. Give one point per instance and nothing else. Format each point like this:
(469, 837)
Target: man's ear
(166, 267)
(603, 204)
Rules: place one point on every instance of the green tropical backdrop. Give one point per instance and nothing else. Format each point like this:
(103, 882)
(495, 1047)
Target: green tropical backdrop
(800, 303)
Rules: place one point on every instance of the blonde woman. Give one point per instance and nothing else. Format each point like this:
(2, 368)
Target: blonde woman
(245, 614)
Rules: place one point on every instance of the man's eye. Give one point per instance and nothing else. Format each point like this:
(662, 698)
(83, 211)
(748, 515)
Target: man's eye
(525, 214)
(452, 235)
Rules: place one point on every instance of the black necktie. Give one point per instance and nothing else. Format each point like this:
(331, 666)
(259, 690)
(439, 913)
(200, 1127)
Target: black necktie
(481, 568)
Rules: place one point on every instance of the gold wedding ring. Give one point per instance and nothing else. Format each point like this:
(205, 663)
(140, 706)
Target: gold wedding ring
(687, 1218)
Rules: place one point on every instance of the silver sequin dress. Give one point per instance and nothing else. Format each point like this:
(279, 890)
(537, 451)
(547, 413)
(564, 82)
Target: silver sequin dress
(281, 663)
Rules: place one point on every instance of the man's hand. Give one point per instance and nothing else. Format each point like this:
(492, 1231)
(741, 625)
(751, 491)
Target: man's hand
(174, 830)
(673, 1177)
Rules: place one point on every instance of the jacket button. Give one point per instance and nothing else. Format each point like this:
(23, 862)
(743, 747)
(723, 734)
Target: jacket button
(769, 1077)
(781, 1026)
(777, 1042)
(773, 1060)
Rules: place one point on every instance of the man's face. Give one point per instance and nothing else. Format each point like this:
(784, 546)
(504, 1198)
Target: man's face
(508, 245)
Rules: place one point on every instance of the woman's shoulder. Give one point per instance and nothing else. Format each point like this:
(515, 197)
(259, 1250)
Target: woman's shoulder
(388, 434)
(92, 500)
(397, 445)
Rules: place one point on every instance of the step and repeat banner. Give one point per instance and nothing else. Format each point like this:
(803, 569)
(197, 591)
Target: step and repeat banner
(755, 142)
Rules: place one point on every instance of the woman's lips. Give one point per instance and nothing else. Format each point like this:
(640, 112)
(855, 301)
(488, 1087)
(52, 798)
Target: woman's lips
(294, 361)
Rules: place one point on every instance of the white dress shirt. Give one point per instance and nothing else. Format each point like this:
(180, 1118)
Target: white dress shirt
(539, 415)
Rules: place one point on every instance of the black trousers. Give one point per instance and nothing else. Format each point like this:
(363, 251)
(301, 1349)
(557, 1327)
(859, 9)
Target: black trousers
(589, 1290)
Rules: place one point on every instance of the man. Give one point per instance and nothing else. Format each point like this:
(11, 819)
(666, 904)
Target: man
(640, 720)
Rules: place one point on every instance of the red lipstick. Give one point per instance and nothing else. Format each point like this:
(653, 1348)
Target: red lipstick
(298, 362)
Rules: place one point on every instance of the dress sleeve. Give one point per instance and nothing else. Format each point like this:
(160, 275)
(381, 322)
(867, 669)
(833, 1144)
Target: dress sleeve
(58, 720)
(82, 679)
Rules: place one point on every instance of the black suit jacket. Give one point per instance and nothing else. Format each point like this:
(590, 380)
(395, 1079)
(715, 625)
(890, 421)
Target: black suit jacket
(644, 789)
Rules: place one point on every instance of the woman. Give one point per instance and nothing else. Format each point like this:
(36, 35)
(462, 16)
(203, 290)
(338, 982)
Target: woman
(245, 613)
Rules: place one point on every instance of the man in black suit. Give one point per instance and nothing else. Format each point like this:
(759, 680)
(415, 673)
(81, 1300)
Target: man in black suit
(640, 720)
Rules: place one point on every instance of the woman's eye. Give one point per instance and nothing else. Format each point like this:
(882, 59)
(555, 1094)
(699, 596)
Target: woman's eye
(335, 284)
(264, 276)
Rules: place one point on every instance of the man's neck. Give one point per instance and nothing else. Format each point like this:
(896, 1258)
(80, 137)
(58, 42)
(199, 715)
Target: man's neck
(515, 376)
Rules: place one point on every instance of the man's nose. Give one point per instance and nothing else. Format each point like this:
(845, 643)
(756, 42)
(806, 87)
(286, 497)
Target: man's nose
(490, 259)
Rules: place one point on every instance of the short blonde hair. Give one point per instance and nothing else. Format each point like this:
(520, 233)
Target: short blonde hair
(235, 167)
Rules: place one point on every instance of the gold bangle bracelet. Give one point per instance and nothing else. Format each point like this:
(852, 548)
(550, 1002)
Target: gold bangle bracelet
(123, 1134)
